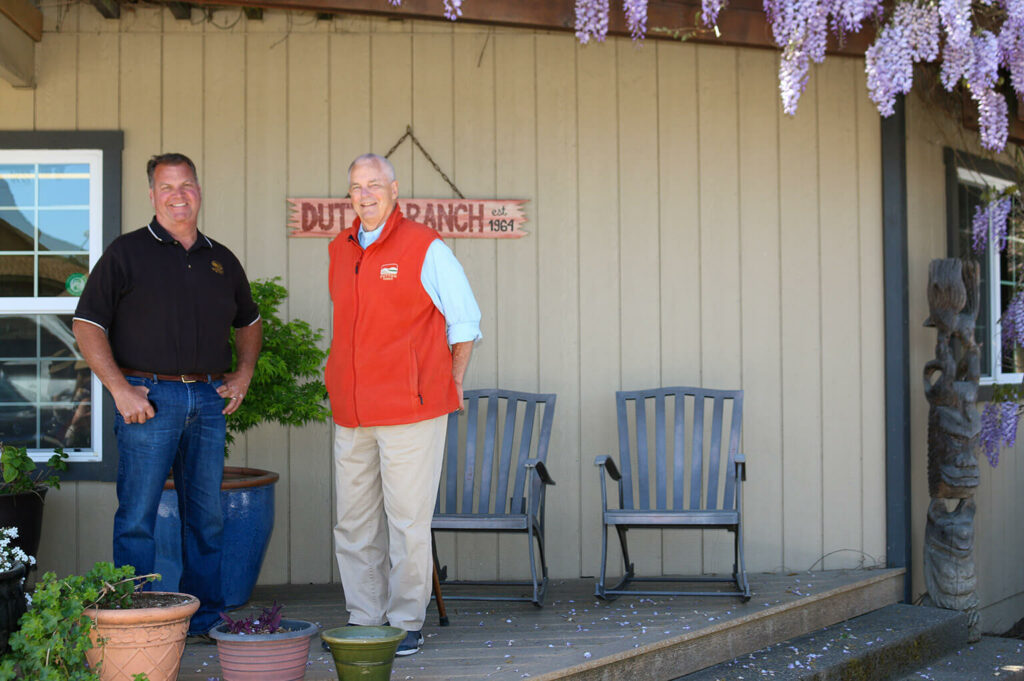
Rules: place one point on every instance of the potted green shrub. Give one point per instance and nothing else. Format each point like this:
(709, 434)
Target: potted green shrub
(14, 563)
(263, 646)
(99, 627)
(23, 487)
(287, 388)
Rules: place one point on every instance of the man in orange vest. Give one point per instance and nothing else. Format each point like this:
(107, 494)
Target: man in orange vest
(405, 321)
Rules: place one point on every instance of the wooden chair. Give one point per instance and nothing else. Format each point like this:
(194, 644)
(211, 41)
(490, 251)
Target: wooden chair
(499, 439)
(676, 471)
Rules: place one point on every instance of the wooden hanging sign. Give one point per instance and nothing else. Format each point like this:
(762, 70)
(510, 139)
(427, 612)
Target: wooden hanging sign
(452, 218)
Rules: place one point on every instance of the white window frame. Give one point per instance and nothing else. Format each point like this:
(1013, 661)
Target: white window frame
(66, 305)
(996, 375)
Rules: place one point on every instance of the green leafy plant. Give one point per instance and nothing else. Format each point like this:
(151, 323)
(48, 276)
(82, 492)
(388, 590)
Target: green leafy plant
(20, 473)
(287, 386)
(53, 635)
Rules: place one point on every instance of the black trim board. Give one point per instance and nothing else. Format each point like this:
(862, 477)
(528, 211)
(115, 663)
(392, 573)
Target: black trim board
(897, 342)
(111, 143)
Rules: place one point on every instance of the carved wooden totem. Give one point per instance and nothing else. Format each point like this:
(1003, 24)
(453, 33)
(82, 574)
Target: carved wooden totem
(951, 387)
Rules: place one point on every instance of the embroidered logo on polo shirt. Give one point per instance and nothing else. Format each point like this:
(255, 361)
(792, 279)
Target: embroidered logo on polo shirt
(216, 267)
(389, 271)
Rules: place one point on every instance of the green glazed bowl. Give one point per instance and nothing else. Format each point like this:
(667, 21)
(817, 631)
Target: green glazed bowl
(363, 653)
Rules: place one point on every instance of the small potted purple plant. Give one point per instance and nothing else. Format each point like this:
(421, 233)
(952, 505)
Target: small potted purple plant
(263, 645)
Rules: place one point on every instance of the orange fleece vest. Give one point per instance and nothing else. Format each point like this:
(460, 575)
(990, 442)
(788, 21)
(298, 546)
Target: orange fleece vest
(390, 362)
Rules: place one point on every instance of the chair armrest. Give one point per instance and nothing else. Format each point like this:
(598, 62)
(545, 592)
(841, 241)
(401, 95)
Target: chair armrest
(741, 467)
(608, 464)
(542, 471)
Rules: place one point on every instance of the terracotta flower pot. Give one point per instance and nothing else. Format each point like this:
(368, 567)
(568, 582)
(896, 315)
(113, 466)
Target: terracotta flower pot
(280, 656)
(146, 640)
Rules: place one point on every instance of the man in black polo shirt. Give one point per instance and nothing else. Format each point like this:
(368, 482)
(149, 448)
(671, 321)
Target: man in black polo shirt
(153, 323)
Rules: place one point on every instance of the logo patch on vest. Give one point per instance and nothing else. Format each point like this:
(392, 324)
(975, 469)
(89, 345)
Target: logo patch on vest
(389, 271)
(216, 267)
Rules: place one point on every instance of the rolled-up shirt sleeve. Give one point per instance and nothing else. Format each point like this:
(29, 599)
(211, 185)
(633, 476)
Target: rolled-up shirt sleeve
(445, 282)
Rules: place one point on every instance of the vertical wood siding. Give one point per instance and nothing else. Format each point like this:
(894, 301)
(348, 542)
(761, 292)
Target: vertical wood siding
(682, 231)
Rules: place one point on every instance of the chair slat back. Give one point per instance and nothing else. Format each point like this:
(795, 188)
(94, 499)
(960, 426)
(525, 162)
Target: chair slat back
(487, 444)
(695, 434)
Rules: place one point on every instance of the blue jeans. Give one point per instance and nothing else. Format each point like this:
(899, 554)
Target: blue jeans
(185, 437)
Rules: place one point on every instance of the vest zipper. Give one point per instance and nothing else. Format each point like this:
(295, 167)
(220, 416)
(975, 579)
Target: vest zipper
(355, 323)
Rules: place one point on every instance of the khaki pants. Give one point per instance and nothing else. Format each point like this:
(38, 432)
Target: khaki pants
(386, 481)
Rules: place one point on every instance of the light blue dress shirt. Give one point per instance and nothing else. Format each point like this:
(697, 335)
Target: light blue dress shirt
(445, 282)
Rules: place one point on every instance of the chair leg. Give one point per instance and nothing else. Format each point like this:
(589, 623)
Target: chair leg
(540, 586)
(530, 531)
(627, 563)
(741, 568)
(599, 590)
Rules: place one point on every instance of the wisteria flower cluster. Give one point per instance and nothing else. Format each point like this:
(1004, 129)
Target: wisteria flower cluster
(998, 428)
(991, 217)
(592, 20)
(11, 554)
(912, 35)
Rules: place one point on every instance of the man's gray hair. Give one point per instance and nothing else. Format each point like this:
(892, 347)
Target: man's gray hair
(389, 169)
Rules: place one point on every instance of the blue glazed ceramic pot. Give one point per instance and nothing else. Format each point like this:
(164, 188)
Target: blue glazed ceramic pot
(247, 501)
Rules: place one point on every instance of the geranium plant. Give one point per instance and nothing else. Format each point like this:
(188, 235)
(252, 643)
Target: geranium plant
(53, 635)
(20, 473)
(267, 621)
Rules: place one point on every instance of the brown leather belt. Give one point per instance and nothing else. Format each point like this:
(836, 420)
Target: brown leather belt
(179, 378)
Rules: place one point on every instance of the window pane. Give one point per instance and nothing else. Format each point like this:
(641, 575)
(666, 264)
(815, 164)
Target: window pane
(17, 233)
(16, 273)
(18, 425)
(17, 336)
(58, 379)
(18, 380)
(64, 185)
(67, 425)
(55, 271)
(17, 185)
(56, 339)
(63, 230)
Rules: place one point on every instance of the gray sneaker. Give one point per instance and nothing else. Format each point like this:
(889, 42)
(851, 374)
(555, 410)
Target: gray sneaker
(411, 644)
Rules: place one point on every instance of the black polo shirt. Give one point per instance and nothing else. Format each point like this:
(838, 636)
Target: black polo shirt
(165, 309)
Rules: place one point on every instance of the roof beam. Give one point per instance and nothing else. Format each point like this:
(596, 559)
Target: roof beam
(182, 11)
(17, 54)
(110, 9)
(25, 16)
(743, 22)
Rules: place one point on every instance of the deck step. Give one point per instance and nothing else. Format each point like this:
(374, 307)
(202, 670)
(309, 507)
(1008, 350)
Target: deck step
(883, 645)
(992, 657)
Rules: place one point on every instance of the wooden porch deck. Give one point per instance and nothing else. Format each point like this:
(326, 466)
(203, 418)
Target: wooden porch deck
(577, 636)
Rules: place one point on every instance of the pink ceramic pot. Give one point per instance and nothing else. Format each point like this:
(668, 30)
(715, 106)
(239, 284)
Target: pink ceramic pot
(280, 656)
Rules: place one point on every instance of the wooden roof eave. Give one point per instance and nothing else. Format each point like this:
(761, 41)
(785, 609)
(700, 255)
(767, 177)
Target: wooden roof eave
(742, 23)
(25, 16)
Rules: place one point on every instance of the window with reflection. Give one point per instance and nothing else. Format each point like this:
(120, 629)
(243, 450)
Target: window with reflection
(50, 236)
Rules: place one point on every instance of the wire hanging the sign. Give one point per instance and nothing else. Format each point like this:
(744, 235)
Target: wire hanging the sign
(410, 135)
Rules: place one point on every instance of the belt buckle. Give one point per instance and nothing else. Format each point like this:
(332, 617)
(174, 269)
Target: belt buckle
(186, 379)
